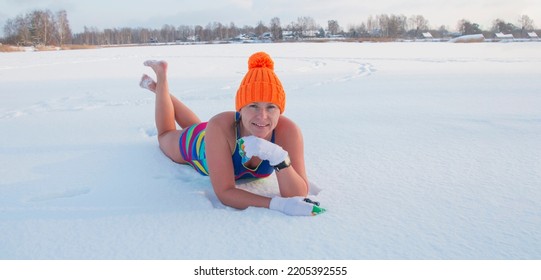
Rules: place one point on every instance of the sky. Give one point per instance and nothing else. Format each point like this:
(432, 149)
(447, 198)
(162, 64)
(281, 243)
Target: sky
(154, 14)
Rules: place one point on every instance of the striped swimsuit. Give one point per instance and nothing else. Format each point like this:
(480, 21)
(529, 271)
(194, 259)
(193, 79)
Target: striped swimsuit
(192, 149)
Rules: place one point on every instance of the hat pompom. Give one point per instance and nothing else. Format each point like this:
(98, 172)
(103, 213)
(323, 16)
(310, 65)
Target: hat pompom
(260, 60)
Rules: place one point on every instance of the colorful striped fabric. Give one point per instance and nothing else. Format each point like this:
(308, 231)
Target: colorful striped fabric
(192, 147)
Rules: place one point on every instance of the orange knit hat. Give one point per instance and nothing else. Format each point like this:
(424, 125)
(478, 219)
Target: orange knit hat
(260, 84)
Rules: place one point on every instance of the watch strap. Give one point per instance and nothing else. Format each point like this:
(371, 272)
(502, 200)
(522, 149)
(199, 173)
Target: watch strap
(284, 164)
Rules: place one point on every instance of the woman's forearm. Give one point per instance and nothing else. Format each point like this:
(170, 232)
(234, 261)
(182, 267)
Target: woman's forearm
(241, 199)
(291, 183)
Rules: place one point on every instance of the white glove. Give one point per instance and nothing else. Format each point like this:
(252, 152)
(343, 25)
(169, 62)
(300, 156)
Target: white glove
(295, 206)
(263, 149)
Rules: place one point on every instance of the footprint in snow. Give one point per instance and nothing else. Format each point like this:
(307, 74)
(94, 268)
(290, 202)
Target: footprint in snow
(67, 193)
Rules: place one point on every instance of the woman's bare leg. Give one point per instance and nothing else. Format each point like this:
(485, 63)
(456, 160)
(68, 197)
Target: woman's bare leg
(184, 116)
(164, 111)
(168, 135)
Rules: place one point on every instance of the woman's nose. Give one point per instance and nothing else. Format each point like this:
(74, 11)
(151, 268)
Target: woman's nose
(262, 113)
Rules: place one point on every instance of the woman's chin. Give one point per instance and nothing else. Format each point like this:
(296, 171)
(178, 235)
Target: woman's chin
(260, 132)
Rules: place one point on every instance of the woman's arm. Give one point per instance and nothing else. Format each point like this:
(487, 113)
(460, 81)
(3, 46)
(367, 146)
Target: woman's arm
(292, 180)
(218, 152)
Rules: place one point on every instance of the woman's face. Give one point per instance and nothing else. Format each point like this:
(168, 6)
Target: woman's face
(259, 119)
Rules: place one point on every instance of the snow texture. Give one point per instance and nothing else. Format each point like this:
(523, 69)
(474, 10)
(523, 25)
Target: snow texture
(420, 151)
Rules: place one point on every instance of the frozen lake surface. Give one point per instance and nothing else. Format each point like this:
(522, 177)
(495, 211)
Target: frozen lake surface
(421, 151)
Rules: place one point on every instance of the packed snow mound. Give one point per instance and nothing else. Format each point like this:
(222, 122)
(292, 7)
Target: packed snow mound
(474, 38)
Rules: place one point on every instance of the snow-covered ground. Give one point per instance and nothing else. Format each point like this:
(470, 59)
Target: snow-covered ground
(421, 151)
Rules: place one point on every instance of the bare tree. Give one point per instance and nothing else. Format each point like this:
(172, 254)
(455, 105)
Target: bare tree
(109, 36)
(17, 31)
(90, 36)
(208, 33)
(42, 27)
(198, 33)
(398, 25)
(260, 28)
(222, 31)
(167, 33)
(63, 31)
(418, 23)
(467, 28)
(392, 26)
(307, 26)
(372, 26)
(333, 27)
(216, 31)
(357, 31)
(500, 25)
(10, 31)
(443, 30)
(276, 28)
(233, 30)
(185, 33)
(526, 23)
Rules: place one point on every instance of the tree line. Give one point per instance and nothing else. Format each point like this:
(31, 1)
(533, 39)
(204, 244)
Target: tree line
(39, 27)
(43, 27)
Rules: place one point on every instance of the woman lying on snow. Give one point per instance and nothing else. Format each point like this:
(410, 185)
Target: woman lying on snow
(252, 142)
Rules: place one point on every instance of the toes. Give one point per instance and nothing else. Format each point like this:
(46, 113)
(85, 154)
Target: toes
(159, 66)
(146, 82)
(155, 63)
(151, 63)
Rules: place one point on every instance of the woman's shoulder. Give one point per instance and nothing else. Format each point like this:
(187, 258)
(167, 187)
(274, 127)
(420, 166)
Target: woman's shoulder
(223, 118)
(286, 124)
(287, 130)
(223, 123)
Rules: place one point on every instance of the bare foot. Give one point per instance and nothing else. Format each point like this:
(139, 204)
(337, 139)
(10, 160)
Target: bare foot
(159, 66)
(147, 83)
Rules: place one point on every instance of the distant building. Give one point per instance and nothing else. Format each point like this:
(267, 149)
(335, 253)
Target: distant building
(288, 35)
(266, 36)
(501, 36)
(533, 35)
(427, 35)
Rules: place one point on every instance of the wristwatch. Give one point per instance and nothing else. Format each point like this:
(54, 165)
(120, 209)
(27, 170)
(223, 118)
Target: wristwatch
(284, 164)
